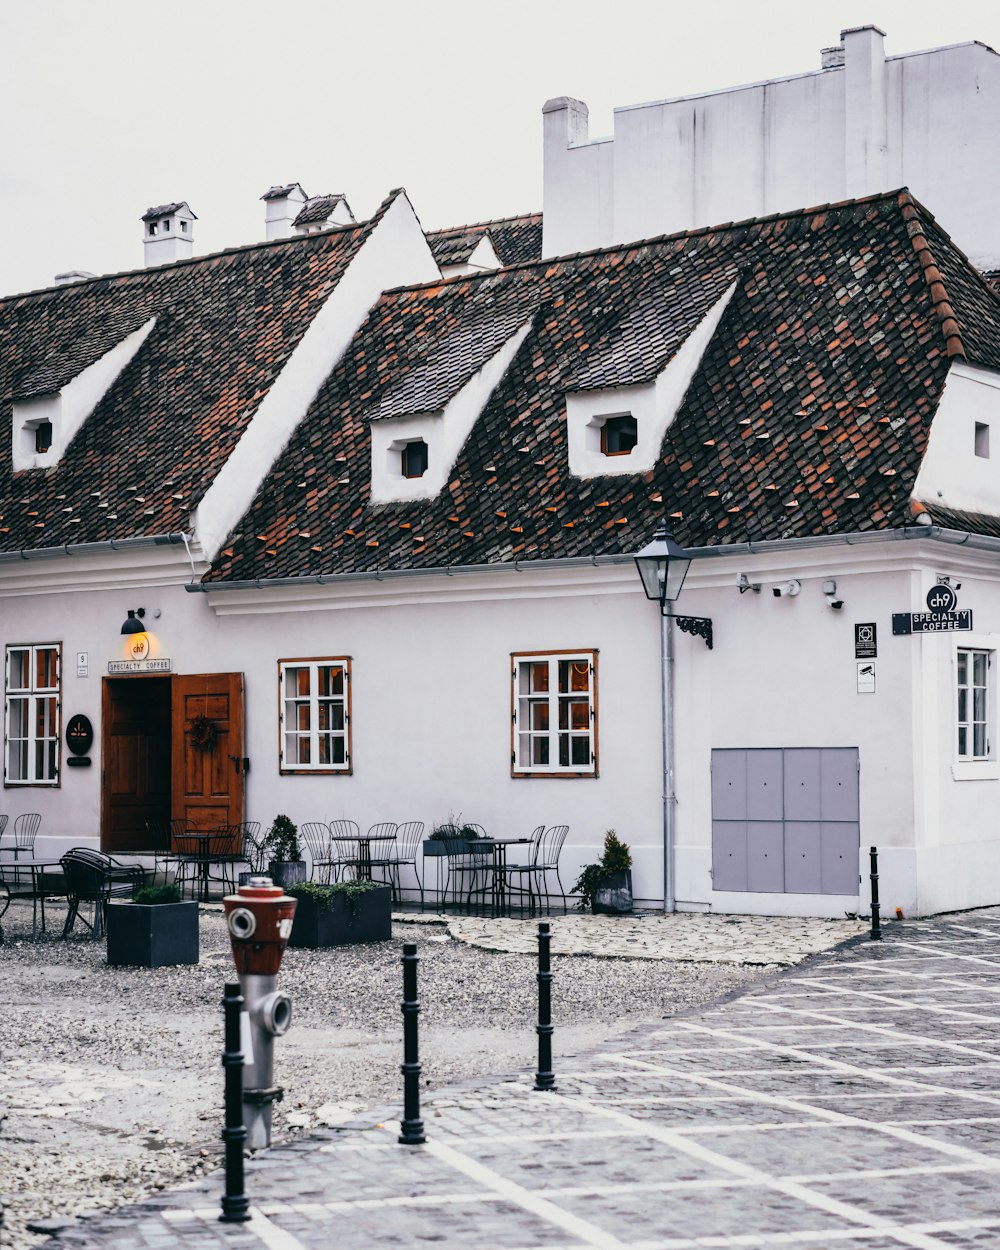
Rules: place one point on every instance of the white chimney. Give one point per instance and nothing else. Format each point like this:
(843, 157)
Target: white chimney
(168, 233)
(321, 212)
(281, 206)
(72, 275)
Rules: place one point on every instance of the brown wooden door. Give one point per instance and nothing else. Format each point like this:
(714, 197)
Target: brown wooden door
(208, 780)
(135, 758)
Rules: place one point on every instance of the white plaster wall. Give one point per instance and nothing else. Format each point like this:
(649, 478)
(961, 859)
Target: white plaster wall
(951, 473)
(927, 120)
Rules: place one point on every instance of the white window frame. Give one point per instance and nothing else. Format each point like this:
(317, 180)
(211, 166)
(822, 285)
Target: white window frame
(971, 766)
(311, 731)
(554, 731)
(44, 771)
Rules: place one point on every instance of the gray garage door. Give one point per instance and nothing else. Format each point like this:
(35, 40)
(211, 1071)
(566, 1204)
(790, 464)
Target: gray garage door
(785, 820)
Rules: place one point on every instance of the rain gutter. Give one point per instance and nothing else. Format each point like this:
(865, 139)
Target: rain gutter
(89, 549)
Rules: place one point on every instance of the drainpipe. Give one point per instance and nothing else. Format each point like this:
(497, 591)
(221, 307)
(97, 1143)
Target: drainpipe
(669, 797)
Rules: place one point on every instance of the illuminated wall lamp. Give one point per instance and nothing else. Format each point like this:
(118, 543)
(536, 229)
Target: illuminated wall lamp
(133, 622)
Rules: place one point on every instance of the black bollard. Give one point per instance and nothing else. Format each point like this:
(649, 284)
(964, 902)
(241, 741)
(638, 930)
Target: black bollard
(412, 1125)
(235, 1203)
(876, 933)
(544, 1078)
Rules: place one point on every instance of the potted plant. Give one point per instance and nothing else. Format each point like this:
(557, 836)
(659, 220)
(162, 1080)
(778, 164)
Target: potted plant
(341, 914)
(286, 866)
(606, 887)
(451, 837)
(156, 929)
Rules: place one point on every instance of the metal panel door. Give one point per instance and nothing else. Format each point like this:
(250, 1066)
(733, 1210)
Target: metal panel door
(765, 856)
(729, 855)
(839, 783)
(803, 859)
(764, 797)
(841, 842)
(802, 783)
(729, 785)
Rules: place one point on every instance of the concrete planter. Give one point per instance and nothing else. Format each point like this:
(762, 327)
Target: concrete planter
(159, 935)
(342, 920)
(614, 898)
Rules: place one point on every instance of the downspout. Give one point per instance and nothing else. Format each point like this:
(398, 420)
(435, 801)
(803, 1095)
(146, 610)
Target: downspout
(669, 796)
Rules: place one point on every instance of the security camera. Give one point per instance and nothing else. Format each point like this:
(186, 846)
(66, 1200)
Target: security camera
(791, 588)
(836, 604)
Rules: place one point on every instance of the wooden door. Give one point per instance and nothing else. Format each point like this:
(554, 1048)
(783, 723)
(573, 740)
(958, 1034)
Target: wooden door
(135, 758)
(208, 777)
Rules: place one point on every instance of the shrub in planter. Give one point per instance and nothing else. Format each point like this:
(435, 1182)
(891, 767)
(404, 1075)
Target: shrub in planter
(450, 837)
(287, 867)
(606, 886)
(341, 914)
(153, 930)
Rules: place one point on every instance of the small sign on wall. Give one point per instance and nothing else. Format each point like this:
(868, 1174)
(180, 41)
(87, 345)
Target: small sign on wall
(866, 676)
(83, 663)
(865, 641)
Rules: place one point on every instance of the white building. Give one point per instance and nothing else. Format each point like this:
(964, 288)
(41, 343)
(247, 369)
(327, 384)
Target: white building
(861, 124)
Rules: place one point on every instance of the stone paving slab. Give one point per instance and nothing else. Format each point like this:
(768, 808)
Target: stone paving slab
(784, 1117)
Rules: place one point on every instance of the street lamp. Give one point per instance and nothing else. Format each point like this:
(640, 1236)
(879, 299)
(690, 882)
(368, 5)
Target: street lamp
(663, 566)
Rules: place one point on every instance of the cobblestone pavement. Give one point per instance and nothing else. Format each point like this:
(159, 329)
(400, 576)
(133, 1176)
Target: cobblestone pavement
(849, 1102)
(755, 940)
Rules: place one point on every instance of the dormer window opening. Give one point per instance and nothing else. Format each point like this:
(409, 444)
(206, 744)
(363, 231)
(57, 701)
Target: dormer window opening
(184, 226)
(619, 435)
(982, 444)
(152, 227)
(413, 459)
(166, 224)
(43, 437)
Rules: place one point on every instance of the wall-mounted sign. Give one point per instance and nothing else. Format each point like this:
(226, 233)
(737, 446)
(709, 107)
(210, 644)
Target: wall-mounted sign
(82, 663)
(866, 677)
(865, 641)
(943, 614)
(79, 737)
(140, 666)
(138, 647)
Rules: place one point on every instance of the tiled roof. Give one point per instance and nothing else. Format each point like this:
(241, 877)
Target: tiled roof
(164, 210)
(318, 208)
(225, 325)
(280, 193)
(808, 413)
(515, 240)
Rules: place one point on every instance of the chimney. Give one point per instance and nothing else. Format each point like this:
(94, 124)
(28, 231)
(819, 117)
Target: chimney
(321, 212)
(281, 207)
(72, 275)
(866, 141)
(168, 233)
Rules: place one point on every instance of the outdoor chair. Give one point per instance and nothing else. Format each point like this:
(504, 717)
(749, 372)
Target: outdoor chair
(468, 865)
(345, 839)
(547, 852)
(228, 850)
(254, 851)
(199, 850)
(408, 838)
(318, 842)
(524, 871)
(25, 831)
(381, 849)
(93, 877)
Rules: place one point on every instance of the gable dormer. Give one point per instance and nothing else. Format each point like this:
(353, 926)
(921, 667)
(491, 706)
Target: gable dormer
(620, 429)
(47, 414)
(168, 233)
(419, 428)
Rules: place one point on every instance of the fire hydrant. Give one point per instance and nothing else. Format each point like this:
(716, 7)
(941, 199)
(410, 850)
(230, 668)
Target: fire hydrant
(259, 919)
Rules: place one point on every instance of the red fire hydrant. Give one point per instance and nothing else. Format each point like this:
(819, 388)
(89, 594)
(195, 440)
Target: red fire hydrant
(259, 918)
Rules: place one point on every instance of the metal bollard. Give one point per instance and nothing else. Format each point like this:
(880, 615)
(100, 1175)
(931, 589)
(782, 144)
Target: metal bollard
(235, 1203)
(544, 1078)
(876, 933)
(412, 1125)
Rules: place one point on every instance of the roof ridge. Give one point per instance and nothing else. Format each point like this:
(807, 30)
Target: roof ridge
(187, 260)
(477, 225)
(913, 213)
(887, 197)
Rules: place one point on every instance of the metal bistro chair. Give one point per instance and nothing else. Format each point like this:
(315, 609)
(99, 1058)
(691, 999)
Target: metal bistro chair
(345, 840)
(468, 864)
(503, 875)
(319, 846)
(381, 849)
(254, 851)
(408, 838)
(227, 849)
(546, 860)
(25, 831)
(93, 877)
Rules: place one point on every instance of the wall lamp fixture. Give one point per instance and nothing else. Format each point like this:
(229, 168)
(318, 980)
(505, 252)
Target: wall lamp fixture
(133, 622)
(663, 565)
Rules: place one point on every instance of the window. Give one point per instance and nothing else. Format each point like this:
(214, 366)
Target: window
(619, 435)
(982, 440)
(414, 459)
(315, 716)
(31, 716)
(554, 714)
(43, 437)
(973, 673)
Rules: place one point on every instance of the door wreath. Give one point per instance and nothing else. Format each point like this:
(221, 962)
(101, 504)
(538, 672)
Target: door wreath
(204, 733)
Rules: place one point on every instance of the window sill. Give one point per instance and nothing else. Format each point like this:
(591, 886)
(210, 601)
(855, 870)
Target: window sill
(976, 770)
(551, 776)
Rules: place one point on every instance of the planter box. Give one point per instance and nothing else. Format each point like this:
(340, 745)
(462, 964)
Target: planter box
(615, 897)
(334, 924)
(144, 936)
(286, 872)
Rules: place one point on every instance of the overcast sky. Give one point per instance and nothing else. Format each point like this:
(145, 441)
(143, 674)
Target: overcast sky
(110, 106)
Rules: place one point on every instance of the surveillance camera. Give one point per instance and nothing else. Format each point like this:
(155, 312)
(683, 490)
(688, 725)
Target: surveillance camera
(836, 604)
(791, 588)
(776, 592)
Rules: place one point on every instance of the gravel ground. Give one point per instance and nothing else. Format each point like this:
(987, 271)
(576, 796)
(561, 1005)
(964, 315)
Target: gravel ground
(111, 1080)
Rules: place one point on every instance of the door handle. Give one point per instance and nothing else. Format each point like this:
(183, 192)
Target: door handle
(242, 763)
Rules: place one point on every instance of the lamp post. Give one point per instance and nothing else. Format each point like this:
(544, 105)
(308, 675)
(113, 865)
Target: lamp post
(663, 565)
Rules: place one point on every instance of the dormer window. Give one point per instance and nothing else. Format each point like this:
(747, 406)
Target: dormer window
(43, 437)
(413, 459)
(151, 226)
(166, 225)
(619, 435)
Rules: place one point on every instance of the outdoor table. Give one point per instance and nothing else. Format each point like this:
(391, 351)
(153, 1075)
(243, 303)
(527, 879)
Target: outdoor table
(363, 841)
(10, 875)
(501, 893)
(195, 847)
